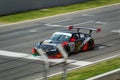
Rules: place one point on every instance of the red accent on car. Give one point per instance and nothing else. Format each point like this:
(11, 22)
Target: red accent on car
(70, 27)
(72, 39)
(85, 47)
(98, 30)
(64, 43)
(33, 50)
(58, 55)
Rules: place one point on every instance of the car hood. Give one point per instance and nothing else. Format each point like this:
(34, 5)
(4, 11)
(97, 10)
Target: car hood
(50, 42)
(49, 45)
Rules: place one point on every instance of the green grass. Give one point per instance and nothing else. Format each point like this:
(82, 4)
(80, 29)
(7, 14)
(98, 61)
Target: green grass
(53, 11)
(90, 71)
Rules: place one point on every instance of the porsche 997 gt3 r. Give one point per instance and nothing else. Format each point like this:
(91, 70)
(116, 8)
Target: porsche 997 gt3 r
(72, 41)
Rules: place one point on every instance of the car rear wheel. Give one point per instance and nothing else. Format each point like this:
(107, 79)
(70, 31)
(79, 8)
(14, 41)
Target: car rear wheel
(91, 44)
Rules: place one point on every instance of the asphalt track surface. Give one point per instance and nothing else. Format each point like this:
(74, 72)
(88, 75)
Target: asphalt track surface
(21, 38)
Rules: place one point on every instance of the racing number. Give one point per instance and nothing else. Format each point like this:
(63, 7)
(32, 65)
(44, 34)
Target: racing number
(77, 46)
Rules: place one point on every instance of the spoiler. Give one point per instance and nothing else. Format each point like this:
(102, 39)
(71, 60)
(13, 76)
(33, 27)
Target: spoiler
(85, 28)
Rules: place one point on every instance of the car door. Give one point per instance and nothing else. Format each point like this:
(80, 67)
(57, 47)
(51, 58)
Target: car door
(77, 42)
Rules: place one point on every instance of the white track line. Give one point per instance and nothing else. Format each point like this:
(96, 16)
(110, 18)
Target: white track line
(105, 74)
(31, 57)
(56, 25)
(60, 21)
(82, 63)
(116, 31)
(77, 24)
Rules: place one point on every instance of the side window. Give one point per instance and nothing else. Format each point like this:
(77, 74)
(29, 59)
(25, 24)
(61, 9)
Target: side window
(76, 36)
(82, 35)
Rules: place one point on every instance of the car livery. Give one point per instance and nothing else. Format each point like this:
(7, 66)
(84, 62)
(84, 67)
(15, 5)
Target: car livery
(72, 41)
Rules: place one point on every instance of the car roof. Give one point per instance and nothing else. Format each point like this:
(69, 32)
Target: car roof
(69, 31)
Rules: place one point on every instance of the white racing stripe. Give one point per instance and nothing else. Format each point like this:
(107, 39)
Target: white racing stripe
(31, 57)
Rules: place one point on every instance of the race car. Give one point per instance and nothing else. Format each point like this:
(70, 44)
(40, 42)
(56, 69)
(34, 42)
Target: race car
(72, 41)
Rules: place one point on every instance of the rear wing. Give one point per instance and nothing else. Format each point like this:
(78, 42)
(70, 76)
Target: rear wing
(85, 28)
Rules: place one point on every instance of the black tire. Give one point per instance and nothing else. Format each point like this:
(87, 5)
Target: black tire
(91, 44)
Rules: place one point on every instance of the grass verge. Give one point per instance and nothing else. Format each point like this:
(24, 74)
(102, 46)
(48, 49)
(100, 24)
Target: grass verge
(56, 10)
(92, 70)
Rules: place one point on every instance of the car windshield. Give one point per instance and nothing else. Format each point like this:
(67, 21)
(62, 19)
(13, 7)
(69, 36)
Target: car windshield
(58, 36)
